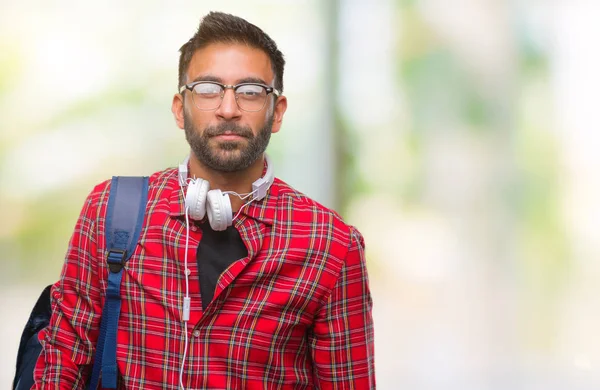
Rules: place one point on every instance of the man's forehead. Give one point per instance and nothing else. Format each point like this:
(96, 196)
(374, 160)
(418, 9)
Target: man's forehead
(230, 63)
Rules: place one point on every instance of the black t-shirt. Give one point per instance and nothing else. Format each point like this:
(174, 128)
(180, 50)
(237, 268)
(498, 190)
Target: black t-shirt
(217, 251)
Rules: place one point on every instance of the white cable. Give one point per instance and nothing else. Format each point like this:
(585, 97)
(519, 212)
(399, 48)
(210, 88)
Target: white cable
(186, 298)
(242, 197)
(240, 210)
(184, 356)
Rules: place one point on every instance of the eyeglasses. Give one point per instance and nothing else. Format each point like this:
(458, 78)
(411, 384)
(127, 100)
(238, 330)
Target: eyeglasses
(208, 95)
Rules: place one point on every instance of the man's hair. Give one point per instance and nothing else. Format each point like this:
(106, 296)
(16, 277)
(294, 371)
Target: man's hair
(219, 27)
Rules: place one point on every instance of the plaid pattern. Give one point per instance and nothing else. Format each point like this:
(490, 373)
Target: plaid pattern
(294, 314)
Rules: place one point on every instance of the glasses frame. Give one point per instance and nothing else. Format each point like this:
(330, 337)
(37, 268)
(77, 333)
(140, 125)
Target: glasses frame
(225, 87)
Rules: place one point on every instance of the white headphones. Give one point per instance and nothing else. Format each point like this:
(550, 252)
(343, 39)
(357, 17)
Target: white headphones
(201, 200)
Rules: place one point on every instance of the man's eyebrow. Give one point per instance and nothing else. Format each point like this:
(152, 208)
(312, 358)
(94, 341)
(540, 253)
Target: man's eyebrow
(255, 80)
(216, 79)
(208, 78)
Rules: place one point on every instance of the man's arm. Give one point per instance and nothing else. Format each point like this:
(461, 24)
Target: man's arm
(69, 341)
(342, 339)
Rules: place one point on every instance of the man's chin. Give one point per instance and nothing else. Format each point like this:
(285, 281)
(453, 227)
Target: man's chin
(226, 160)
(228, 150)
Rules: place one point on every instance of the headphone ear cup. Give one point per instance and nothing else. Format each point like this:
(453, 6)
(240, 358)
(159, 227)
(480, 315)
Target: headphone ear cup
(195, 198)
(219, 210)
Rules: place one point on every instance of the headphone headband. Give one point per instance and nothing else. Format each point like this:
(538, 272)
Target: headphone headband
(262, 185)
(183, 172)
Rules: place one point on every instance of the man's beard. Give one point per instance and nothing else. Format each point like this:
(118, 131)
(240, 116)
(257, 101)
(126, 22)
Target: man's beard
(227, 156)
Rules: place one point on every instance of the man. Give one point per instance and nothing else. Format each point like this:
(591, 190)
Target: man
(278, 296)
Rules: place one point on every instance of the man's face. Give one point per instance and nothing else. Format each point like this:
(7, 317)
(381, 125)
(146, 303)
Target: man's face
(228, 139)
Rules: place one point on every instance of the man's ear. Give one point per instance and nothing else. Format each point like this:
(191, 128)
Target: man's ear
(280, 107)
(177, 109)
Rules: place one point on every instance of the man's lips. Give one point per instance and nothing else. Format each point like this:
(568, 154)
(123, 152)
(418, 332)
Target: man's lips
(229, 136)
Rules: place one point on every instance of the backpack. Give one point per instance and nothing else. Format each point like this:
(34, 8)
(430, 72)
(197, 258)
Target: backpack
(124, 218)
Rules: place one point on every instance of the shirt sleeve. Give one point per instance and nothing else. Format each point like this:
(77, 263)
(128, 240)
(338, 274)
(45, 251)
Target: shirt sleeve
(68, 342)
(342, 339)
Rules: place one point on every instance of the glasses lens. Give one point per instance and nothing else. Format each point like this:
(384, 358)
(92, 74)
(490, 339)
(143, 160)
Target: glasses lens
(251, 97)
(207, 96)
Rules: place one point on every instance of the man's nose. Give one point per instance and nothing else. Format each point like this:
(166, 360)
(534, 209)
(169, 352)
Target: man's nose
(228, 108)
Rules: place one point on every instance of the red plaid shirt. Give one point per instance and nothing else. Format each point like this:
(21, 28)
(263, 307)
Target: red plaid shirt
(294, 314)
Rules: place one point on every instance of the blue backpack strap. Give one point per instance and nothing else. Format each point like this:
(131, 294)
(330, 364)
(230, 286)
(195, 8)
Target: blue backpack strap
(124, 219)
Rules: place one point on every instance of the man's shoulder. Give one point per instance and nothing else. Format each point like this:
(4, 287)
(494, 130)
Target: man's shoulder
(157, 180)
(289, 194)
(314, 214)
(165, 178)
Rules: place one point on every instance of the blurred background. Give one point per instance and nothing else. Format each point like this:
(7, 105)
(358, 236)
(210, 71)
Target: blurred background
(460, 137)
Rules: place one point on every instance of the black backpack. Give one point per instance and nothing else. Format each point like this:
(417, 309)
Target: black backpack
(124, 219)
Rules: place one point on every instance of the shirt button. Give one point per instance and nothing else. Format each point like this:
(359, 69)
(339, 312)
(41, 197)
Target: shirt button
(196, 333)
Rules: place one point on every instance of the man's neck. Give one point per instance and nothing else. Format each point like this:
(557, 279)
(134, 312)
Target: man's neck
(238, 181)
